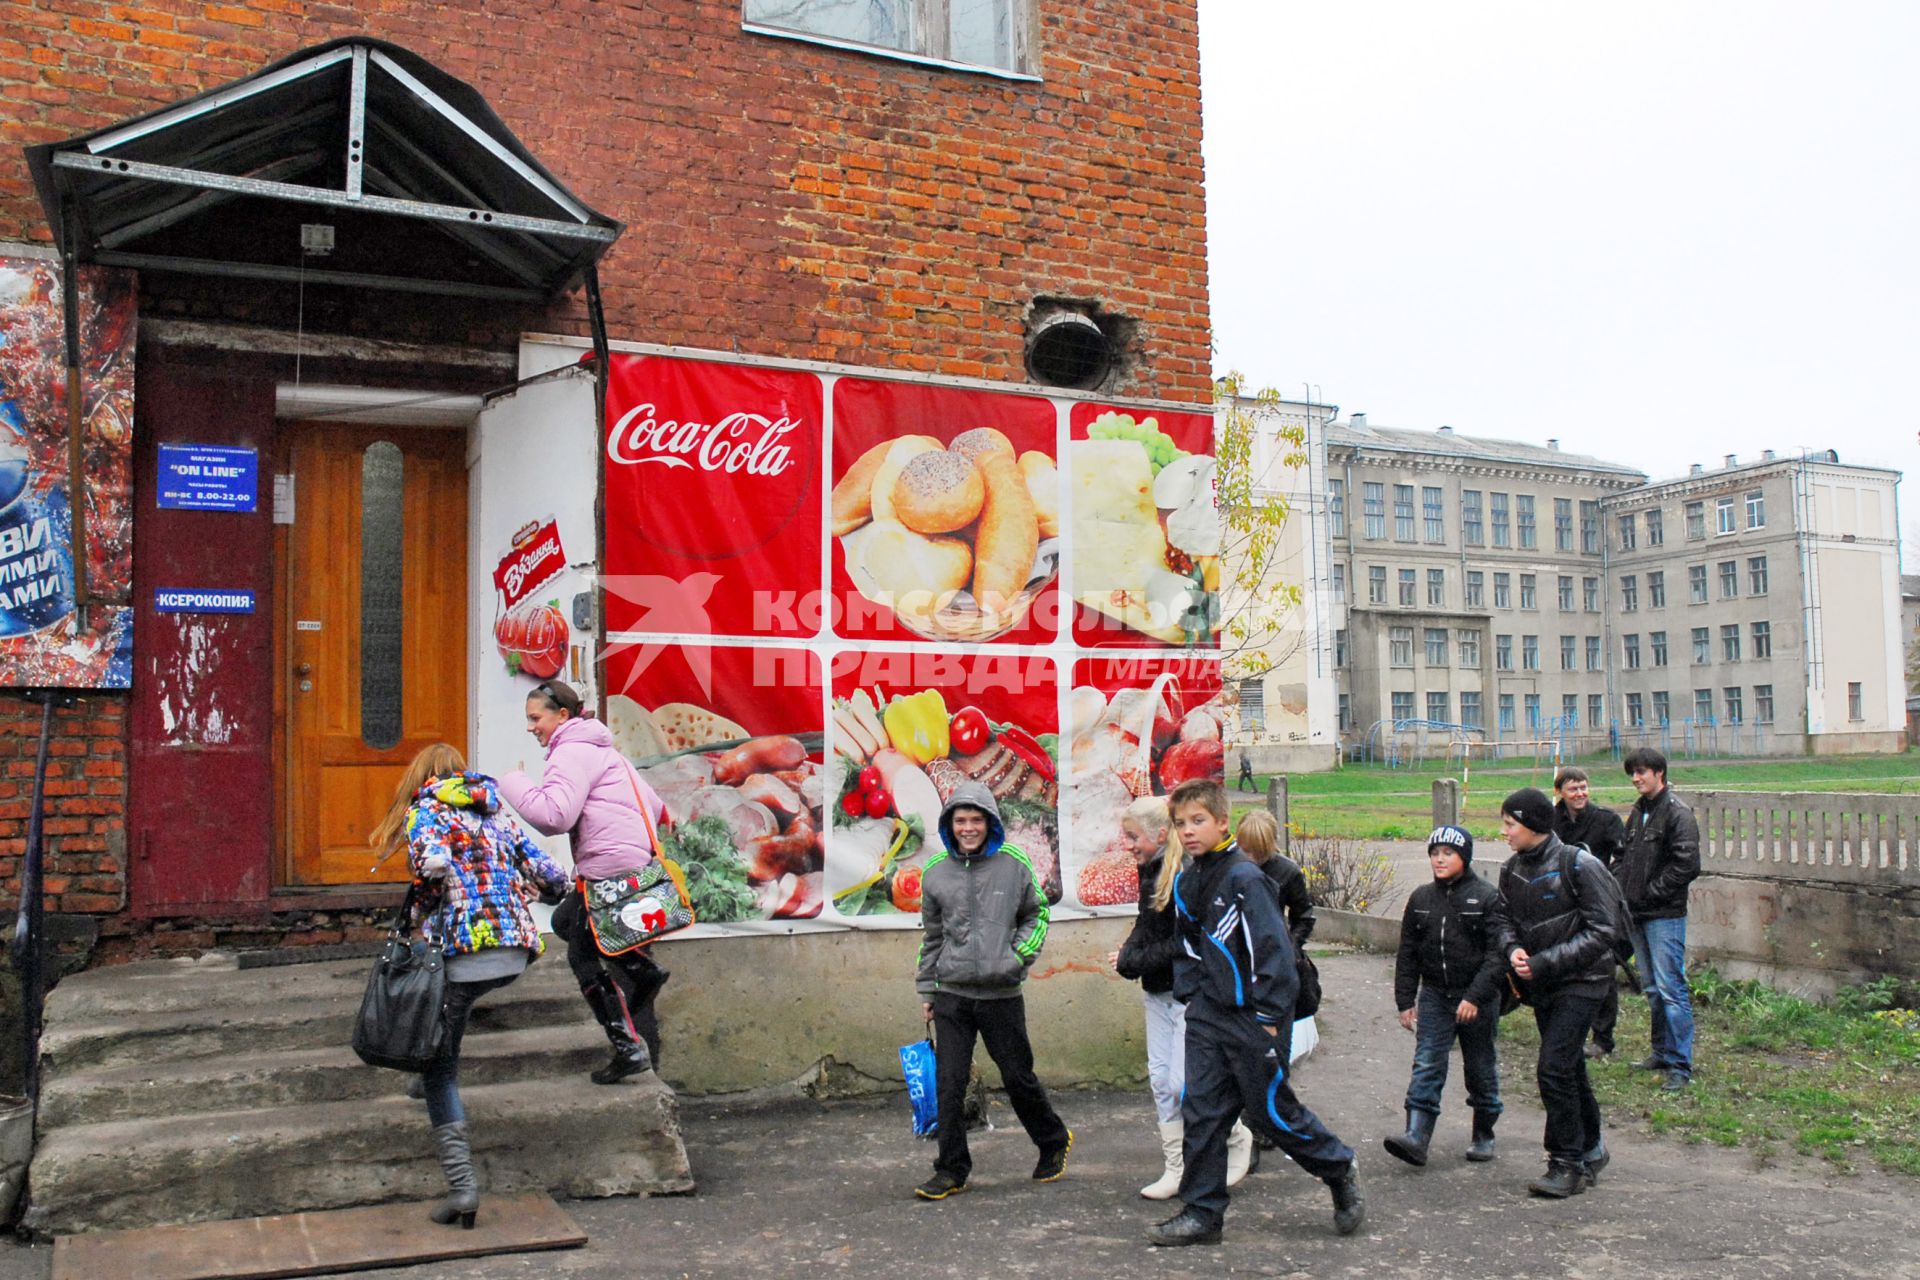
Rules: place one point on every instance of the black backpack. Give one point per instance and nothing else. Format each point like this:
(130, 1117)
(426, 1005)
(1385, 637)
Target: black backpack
(1613, 900)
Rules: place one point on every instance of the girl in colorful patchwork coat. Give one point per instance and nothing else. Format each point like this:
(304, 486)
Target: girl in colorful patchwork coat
(474, 872)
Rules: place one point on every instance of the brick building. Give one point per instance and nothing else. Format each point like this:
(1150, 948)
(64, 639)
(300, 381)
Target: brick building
(949, 204)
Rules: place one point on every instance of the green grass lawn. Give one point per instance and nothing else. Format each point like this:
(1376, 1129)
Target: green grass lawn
(1840, 1081)
(1370, 801)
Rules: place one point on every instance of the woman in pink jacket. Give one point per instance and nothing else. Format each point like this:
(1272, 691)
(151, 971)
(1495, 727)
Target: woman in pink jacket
(591, 793)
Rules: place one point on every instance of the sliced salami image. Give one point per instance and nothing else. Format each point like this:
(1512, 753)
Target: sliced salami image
(1135, 727)
(945, 513)
(731, 739)
(907, 729)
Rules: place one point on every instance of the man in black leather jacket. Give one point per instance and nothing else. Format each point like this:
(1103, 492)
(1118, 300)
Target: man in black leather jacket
(1660, 859)
(1597, 829)
(1558, 938)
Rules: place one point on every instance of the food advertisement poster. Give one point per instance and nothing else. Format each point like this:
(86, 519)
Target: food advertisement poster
(712, 498)
(530, 624)
(731, 739)
(909, 728)
(945, 514)
(1146, 533)
(1135, 727)
(833, 599)
(42, 644)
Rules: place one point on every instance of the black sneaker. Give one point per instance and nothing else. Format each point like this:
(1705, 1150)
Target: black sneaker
(939, 1187)
(1676, 1081)
(1053, 1161)
(1594, 1162)
(1189, 1226)
(1562, 1179)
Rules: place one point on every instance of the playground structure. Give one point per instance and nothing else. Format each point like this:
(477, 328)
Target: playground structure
(1412, 742)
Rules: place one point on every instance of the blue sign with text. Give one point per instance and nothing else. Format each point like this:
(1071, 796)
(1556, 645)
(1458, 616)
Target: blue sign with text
(205, 477)
(201, 600)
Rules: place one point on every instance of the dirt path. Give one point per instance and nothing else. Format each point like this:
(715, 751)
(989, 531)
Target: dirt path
(824, 1190)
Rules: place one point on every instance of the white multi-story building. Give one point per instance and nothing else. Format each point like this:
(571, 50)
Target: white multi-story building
(1505, 591)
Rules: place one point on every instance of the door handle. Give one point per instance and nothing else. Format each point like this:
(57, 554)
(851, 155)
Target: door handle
(304, 672)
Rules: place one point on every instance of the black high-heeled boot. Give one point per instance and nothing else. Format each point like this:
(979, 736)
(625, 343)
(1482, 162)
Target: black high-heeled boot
(462, 1204)
(609, 1007)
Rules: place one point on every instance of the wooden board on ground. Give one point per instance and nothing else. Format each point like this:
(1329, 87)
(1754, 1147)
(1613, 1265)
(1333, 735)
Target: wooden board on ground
(311, 1244)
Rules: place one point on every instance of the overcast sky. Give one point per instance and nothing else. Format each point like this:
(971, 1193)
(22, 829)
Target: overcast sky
(1662, 232)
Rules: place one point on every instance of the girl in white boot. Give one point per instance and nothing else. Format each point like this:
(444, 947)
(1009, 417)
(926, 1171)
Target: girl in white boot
(1147, 957)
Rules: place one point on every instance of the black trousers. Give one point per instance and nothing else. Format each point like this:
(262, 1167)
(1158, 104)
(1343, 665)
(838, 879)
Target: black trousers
(1606, 1017)
(1573, 1116)
(1235, 1069)
(635, 973)
(1002, 1026)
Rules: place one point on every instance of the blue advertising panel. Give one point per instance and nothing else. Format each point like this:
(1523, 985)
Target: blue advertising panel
(201, 600)
(204, 477)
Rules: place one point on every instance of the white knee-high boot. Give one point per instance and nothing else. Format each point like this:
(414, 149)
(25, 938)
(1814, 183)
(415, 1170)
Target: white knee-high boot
(1241, 1157)
(1173, 1136)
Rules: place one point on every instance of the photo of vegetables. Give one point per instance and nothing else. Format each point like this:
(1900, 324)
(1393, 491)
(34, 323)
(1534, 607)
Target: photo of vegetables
(731, 739)
(1135, 727)
(1146, 533)
(945, 513)
(906, 730)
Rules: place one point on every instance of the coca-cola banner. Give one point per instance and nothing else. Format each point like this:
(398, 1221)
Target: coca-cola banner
(42, 643)
(833, 599)
(713, 499)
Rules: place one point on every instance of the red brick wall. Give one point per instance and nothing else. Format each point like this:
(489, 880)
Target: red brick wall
(781, 198)
(84, 846)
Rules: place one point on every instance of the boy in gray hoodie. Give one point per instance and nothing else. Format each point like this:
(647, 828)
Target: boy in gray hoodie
(984, 919)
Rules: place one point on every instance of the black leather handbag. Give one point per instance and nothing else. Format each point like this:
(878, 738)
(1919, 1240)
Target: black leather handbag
(401, 1022)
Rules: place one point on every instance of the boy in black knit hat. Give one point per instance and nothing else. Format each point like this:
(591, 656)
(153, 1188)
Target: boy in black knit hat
(1554, 923)
(1446, 984)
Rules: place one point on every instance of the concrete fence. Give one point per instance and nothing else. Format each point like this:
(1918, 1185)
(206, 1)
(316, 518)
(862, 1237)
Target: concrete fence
(1810, 890)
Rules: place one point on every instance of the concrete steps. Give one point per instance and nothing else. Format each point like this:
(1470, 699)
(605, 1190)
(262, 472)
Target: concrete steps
(178, 1091)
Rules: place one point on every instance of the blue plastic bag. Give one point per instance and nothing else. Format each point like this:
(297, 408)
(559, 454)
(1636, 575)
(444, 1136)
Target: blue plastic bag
(916, 1064)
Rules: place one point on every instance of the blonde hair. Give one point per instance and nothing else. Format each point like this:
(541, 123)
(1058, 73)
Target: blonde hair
(1258, 836)
(1151, 815)
(437, 760)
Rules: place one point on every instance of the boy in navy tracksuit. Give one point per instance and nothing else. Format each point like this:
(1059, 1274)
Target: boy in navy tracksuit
(1235, 970)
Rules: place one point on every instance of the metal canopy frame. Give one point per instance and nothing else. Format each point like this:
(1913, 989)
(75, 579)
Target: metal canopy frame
(435, 194)
(442, 196)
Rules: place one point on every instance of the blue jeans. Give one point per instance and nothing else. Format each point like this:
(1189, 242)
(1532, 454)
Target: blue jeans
(1660, 948)
(442, 1076)
(1435, 1030)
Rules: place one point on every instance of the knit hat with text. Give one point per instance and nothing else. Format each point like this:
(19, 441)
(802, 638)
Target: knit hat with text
(1530, 808)
(1455, 838)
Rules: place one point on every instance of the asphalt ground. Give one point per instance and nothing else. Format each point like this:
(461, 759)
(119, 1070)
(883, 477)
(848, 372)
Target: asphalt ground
(809, 1188)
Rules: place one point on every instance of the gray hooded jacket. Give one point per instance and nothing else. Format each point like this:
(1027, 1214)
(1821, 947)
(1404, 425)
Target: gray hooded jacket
(983, 914)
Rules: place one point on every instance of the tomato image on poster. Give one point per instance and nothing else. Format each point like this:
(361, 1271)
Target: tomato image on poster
(1146, 533)
(530, 630)
(909, 728)
(1135, 727)
(713, 499)
(945, 514)
(731, 739)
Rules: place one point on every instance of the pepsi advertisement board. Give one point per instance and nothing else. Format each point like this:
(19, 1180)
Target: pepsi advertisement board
(42, 641)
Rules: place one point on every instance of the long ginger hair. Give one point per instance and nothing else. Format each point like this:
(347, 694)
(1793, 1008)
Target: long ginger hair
(439, 760)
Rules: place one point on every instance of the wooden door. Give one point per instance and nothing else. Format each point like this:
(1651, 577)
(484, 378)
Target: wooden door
(372, 645)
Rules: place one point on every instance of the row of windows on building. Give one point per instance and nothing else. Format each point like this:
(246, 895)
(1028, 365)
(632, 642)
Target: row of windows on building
(1474, 595)
(1466, 644)
(1726, 706)
(1513, 519)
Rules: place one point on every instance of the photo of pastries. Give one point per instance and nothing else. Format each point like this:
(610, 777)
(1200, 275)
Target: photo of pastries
(952, 532)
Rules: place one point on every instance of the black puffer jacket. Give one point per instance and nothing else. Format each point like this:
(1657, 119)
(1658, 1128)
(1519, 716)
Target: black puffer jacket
(1596, 826)
(1567, 930)
(1296, 904)
(1660, 858)
(1147, 955)
(1447, 942)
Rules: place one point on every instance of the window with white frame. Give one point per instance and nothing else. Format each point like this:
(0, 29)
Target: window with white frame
(1523, 520)
(1503, 653)
(1657, 589)
(1403, 512)
(1400, 646)
(1376, 584)
(1437, 706)
(1730, 698)
(1340, 647)
(1702, 646)
(1437, 588)
(1702, 704)
(1469, 639)
(1593, 653)
(1763, 639)
(1730, 642)
(1346, 712)
(1502, 531)
(1656, 529)
(1570, 710)
(1763, 704)
(1590, 594)
(1471, 710)
(1723, 518)
(1503, 591)
(1856, 701)
(983, 34)
(1532, 701)
(1436, 639)
(1569, 646)
(1409, 583)
(1433, 513)
(1629, 592)
(1657, 647)
(1339, 584)
(1529, 653)
(1590, 528)
(1696, 521)
(1337, 508)
(1566, 593)
(1472, 532)
(1596, 709)
(1636, 717)
(1756, 510)
(1729, 579)
(1403, 704)
(1563, 524)
(1506, 713)
(1697, 583)
(1476, 589)
(1662, 707)
(1373, 501)
(1626, 523)
(1529, 592)
(1757, 575)
(1630, 648)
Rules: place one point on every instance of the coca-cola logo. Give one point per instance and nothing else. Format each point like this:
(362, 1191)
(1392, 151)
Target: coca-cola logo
(735, 443)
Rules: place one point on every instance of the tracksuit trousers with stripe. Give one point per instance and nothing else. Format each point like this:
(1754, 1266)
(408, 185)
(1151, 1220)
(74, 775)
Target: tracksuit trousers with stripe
(1234, 1069)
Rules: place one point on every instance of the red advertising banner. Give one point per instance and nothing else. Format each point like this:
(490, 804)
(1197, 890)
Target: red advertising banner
(41, 641)
(909, 728)
(531, 634)
(1136, 726)
(731, 738)
(945, 514)
(713, 498)
(1146, 533)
